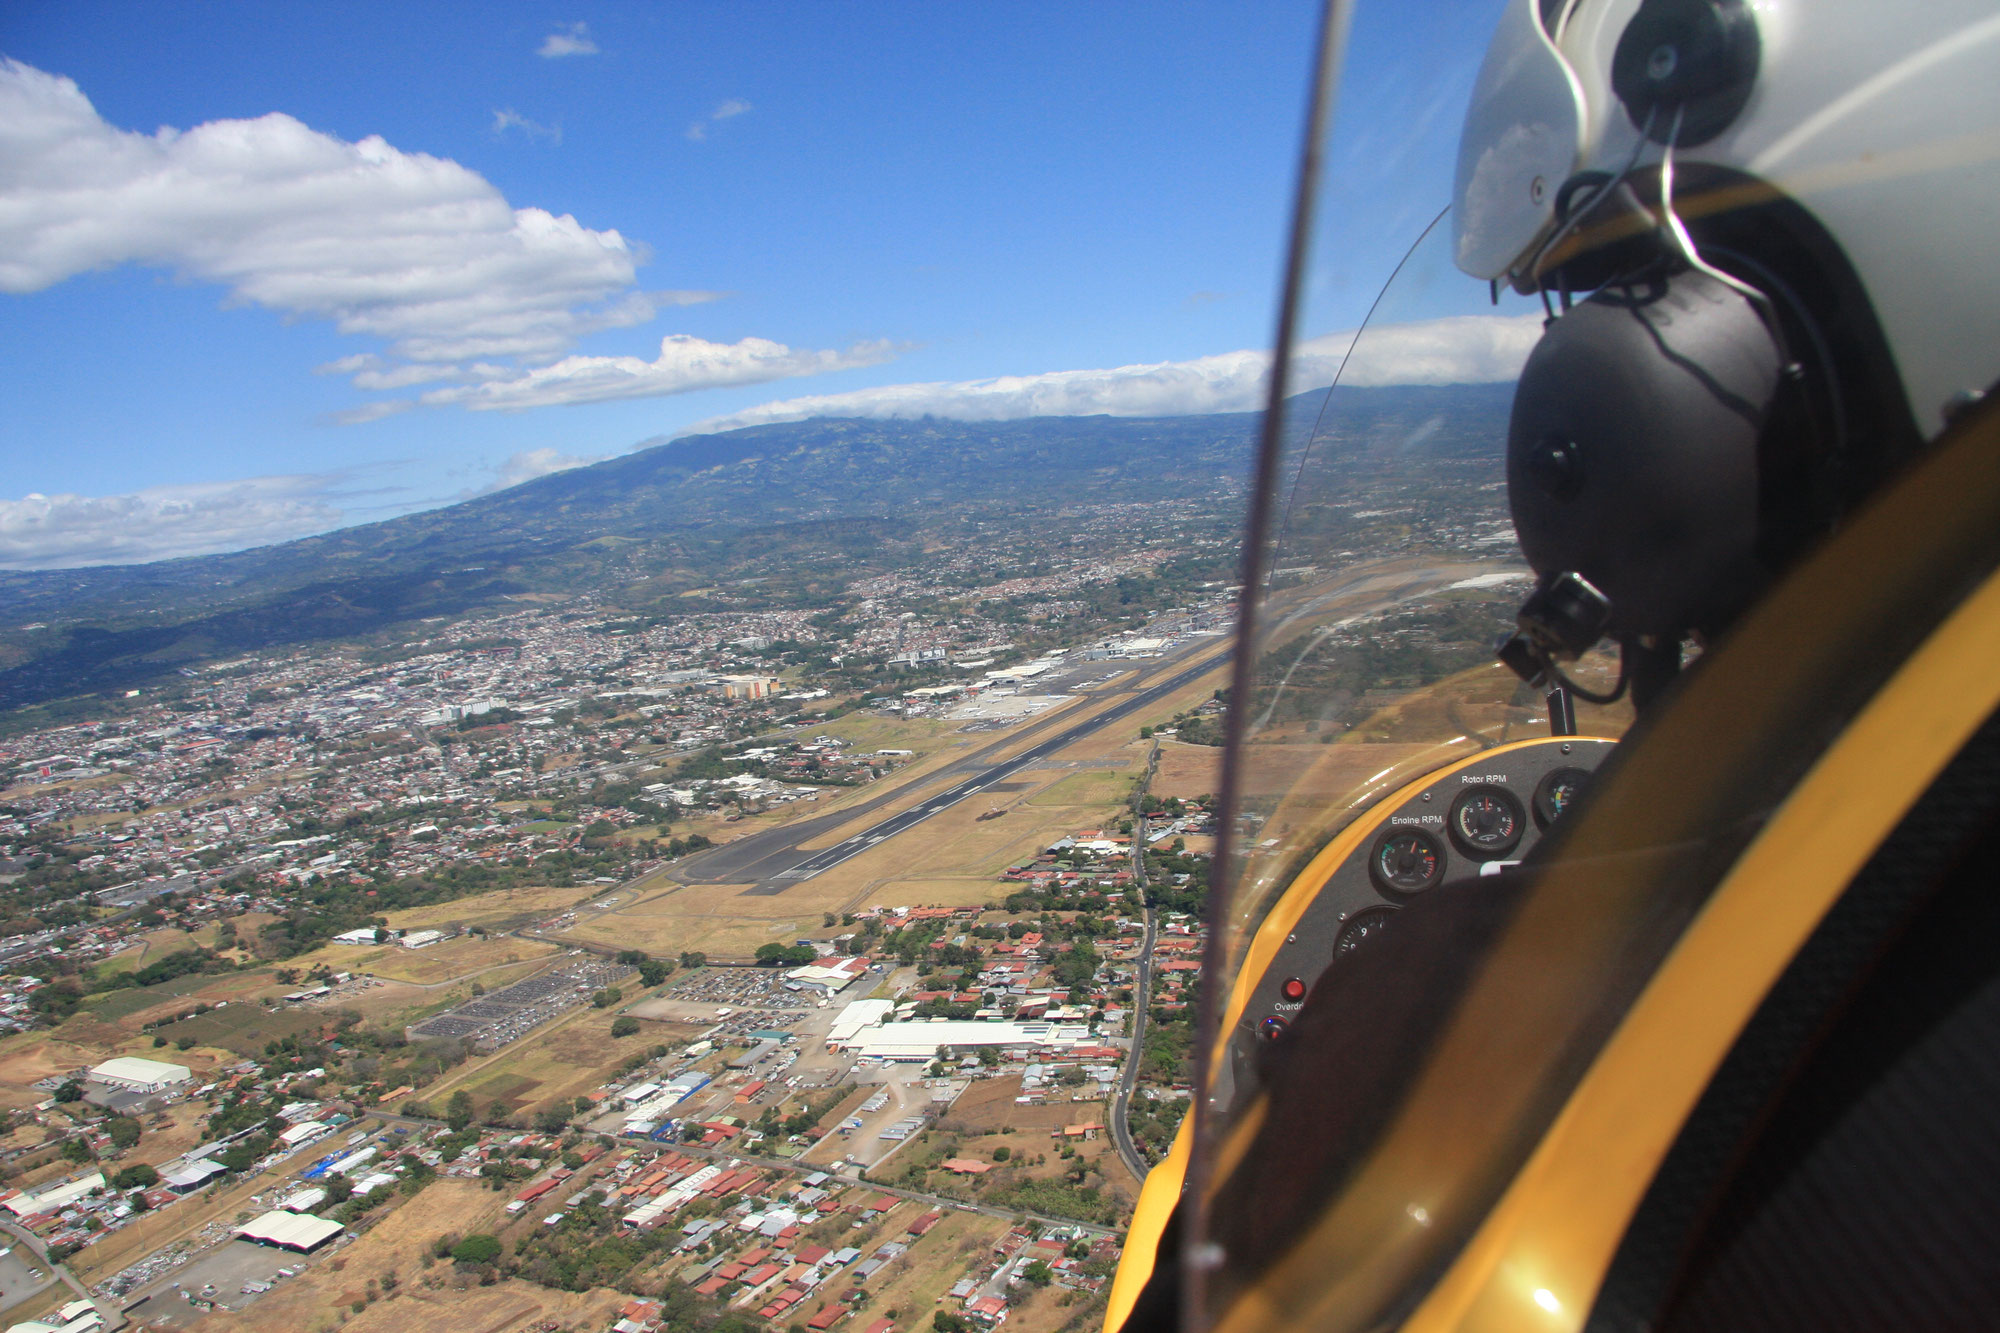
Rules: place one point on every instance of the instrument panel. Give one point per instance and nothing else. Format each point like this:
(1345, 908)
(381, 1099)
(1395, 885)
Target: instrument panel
(1472, 817)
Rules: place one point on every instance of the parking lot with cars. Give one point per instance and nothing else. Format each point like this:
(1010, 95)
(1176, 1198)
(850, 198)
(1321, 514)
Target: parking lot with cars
(493, 1020)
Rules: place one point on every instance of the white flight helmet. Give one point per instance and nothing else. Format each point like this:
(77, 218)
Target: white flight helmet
(1763, 233)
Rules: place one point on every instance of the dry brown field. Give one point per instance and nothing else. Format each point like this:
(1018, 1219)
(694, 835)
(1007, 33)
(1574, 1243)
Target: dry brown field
(433, 1300)
(916, 1284)
(1187, 771)
(709, 918)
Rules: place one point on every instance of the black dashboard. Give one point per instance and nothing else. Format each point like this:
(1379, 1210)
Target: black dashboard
(1471, 817)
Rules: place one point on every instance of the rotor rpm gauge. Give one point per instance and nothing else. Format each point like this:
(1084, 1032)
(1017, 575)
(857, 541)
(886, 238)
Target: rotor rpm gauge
(1406, 860)
(1486, 821)
(1558, 792)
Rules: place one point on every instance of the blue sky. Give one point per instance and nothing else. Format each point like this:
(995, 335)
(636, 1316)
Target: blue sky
(383, 256)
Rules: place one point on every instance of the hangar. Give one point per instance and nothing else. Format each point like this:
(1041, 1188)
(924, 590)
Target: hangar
(129, 1073)
(290, 1231)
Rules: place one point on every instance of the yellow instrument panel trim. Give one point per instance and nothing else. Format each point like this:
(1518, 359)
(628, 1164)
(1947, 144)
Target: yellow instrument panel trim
(1539, 1258)
(1284, 915)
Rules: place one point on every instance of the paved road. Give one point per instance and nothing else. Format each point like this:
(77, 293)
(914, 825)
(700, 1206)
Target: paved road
(985, 777)
(22, 1236)
(1121, 1104)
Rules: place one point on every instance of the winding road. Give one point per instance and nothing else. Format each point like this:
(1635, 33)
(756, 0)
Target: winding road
(1121, 1102)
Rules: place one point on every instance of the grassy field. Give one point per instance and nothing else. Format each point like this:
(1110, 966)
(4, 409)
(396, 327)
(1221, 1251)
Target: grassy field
(1103, 787)
(447, 960)
(112, 1006)
(502, 909)
(569, 1058)
(245, 1028)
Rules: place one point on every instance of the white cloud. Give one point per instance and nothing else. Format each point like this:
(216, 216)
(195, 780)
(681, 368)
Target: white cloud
(510, 119)
(1461, 349)
(684, 365)
(728, 110)
(415, 250)
(570, 40)
(163, 522)
(407, 247)
(532, 463)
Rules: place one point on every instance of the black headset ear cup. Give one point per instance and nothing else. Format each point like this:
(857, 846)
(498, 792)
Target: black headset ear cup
(1632, 453)
(1697, 58)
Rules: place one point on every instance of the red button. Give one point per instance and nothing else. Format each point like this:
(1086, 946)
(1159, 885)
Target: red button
(1294, 989)
(1272, 1027)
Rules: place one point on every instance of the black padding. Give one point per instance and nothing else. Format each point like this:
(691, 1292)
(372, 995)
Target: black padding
(1843, 1168)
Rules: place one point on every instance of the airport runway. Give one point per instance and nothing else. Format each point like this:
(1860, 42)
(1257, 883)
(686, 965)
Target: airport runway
(775, 861)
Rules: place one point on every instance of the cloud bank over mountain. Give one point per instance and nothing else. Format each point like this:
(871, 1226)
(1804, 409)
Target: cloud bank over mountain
(1460, 349)
(164, 522)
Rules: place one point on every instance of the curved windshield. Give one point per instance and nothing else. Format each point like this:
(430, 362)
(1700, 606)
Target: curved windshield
(1394, 568)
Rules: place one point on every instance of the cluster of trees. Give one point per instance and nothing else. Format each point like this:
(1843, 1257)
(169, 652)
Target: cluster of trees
(785, 955)
(652, 971)
(1168, 892)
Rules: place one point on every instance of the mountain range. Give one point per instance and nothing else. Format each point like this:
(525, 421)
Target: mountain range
(808, 505)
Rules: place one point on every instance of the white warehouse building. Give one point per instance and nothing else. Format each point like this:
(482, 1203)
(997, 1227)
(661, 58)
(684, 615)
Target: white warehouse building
(922, 1041)
(132, 1074)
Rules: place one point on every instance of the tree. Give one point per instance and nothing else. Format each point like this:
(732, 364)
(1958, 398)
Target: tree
(944, 1321)
(76, 1150)
(477, 1248)
(136, 1176)
(624, 1026)
(607, 997)
(1002, 1153)
(694, 959)
(124, 1131)
(652, 971)
(1037, 1274)
(71, 1091)
(339, 1189)
(458, 1111)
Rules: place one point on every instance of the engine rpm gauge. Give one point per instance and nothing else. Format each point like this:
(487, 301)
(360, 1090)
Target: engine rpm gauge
(1557, 792)
(1486, 821)
(1406, 860)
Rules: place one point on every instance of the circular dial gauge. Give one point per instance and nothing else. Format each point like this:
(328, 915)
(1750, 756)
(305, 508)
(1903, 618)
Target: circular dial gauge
(1486, 821)
(1557, 792)
(1363, 926)
(1406, 861)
